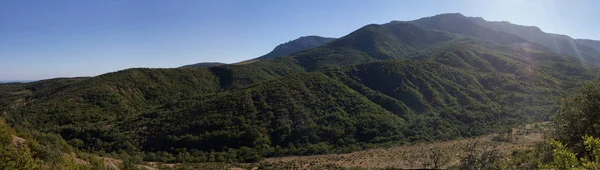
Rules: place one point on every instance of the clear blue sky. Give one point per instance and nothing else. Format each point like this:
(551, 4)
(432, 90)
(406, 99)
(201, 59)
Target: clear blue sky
(42, 39)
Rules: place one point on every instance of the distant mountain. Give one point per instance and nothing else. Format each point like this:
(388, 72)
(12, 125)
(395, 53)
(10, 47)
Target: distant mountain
(15, 81)
(591, 43)
(203, 65)
(459, 24)
(561, 44)
(300, 44)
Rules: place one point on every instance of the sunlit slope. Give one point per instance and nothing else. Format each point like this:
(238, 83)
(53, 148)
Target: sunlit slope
(595, 44)
(428, 99)
(561, 44)
(507, 33)
(371, 43)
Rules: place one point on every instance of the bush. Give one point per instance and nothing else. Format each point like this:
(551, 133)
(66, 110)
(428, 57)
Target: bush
(579, 115)
(482, 158)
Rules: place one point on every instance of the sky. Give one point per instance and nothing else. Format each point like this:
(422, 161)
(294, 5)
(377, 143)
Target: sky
(70, 38)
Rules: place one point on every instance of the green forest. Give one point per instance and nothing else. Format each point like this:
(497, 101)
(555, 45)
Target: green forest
(382, 85)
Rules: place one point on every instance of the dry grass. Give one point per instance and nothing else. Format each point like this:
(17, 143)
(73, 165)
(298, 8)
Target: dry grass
(18, 141)
(408, 156)
(22, 92)
(403, 157)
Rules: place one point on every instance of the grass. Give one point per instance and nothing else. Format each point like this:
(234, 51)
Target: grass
(22, 92)
(396, 157)
(410, 156)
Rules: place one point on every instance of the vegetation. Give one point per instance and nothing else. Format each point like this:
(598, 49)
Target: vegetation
(382, 85)
(300, 44)
(564, 150)
(578, 116)
(35, 152)
(436, 159)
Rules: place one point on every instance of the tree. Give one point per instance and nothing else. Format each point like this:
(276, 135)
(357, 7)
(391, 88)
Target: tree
(436, 158)
(562, 157)
(11, 156)
(481, 158)
(16, 158)
(579, 115)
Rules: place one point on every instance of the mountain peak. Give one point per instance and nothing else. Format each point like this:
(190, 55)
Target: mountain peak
(296, 45)
(310, 36)
(480, 21)
(203, 64)
(449, 15)
(299, 44)
(444, 19)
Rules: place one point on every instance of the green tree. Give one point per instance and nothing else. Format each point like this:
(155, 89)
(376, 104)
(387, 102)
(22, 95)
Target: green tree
(592, 148)
(579, 115)
(16, 158)
(12, 156)
(562, 157)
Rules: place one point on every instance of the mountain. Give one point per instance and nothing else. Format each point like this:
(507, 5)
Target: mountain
(15, 81)
(591, 43)
(561, 44)
(369, 44)
(459, 24)
(203, 65)
(300, 44)
(436, 78)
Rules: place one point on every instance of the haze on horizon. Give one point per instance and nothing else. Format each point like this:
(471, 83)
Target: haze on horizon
(48, 39)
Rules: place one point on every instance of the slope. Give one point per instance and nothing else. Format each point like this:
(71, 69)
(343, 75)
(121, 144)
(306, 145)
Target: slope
(308, 110)
(299, 44)
(310, 113)
(459, 24)
(591, 43)
(203, 65)
(507, 33)
(561, 44)
(370, 43)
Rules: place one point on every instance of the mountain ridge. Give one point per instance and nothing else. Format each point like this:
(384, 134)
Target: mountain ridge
(591, 43)
(203, 65)
(284, 49)
(562, 44)
(296, 45)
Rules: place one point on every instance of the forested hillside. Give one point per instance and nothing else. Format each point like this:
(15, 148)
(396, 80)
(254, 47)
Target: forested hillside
(507, 33)
(203, 65)
(438, 78)
(299, 44)
(282, 50)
